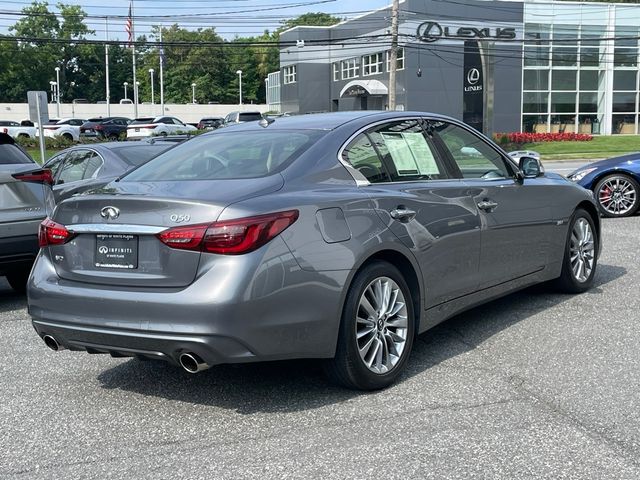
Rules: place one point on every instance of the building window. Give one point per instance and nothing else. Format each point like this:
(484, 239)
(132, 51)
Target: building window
(400, 62)
(349, 68)
(336, 71)
(371, 64)
(290, 74)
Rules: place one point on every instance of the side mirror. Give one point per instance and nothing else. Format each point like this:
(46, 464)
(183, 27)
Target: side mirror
(531, 167)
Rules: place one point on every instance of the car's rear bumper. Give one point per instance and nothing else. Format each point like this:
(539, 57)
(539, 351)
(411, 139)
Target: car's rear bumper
(17, 253)
(255, 307)
(143, 133)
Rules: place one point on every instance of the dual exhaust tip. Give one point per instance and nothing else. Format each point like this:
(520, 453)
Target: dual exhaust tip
(191, 362)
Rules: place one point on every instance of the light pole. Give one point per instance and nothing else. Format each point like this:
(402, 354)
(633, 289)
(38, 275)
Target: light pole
(152, 92)
(73, 105)
(193, 93)
(58, 92)
(52, 86)
(125, 89)
(239, 72)
(136, 93)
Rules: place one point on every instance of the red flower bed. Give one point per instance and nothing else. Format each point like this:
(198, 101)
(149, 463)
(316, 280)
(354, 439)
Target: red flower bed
(517, 137)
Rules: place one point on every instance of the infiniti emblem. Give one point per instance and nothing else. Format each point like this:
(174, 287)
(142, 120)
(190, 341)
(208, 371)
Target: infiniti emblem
(473, 76)
(110, 213)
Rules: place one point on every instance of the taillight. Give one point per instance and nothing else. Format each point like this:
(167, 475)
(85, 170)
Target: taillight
(52, 233)
(230, 237)
(98, 127)
(43, 176)
(5, 130)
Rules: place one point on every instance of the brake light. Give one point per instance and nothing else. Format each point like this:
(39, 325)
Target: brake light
(43, 176)
(98, 127)
(5, 130)
(230, 237)
(52, 233)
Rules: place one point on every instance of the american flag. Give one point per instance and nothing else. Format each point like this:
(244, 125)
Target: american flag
(128, 27)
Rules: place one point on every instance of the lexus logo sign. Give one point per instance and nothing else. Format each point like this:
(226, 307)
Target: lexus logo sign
(432, 31)
(473, 76)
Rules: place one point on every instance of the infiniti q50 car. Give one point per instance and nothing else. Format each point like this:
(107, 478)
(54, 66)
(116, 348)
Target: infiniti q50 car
(334, 236)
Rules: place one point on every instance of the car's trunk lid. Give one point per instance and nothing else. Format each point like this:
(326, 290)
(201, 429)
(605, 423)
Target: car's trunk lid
(115, 240)
(20, 201)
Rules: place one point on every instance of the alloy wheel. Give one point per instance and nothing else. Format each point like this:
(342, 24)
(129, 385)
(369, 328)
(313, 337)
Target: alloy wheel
(582, 250)
(381, 325)
(617, 196)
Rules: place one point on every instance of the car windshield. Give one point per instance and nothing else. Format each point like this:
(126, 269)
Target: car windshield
(227, 155)
(141, 154)
(250, 117)
(11, 155)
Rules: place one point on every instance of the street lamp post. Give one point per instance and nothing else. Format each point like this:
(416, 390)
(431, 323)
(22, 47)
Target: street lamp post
(239, 72)
(193, 93)
(152, 92)
(73, 107)
(136, 94)
(125, 89)
(58, 92)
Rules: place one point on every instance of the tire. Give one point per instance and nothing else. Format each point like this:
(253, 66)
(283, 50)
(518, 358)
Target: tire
(23, 136)
(68, 137)
(113, 137)
(586, 248)
(617, 195)
(349, 368)
(18, 280)
(163, 134)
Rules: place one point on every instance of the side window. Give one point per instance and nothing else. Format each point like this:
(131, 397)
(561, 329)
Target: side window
(474, 157)
(362, 156)
(407, 153)
(79, 165)
(55, 163)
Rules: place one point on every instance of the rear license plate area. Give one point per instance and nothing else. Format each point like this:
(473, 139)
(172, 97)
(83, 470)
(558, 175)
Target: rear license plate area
(118, 251)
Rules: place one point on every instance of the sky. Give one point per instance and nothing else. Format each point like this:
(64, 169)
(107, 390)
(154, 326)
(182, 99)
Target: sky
(229, 17)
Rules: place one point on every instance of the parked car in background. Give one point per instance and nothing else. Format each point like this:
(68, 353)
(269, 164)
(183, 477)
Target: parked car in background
(83, 167)
(126, 101)
(615, 183)
(109, 128)
(210, 123)
(22, 208)
(157, 126)
(337, 236)
(67, 128)
(241, 117)
(17, 129)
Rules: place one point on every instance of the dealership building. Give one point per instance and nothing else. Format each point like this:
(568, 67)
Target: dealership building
(500, 66)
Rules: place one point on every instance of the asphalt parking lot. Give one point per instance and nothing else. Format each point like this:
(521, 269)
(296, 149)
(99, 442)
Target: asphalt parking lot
(536, 385)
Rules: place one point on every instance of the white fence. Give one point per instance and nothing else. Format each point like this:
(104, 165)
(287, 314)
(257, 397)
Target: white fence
(187, 113)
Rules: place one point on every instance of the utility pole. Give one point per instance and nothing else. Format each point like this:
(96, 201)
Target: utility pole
(106, 63)
(161, 55)
(393, 55)
(133, 51)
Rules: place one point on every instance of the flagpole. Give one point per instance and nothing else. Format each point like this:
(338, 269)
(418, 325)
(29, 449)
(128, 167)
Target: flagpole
(161, 73)
(106, 62)
(133, 49)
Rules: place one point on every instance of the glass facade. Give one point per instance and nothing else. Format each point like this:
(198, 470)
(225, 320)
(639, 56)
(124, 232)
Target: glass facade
(581, 68)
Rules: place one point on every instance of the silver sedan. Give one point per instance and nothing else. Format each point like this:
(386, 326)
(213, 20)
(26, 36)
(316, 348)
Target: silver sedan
(334, 236)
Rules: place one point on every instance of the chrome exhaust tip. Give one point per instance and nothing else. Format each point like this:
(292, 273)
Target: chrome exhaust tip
(52, 343)
(192, 363)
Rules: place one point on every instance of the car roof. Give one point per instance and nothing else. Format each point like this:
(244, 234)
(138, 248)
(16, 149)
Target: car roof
(327, 121)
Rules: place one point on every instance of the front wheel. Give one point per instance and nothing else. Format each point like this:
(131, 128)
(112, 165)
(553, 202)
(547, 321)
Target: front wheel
(617, 196)
(376, 330)
(580, 254)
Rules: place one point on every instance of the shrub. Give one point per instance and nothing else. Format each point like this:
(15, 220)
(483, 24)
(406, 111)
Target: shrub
(520, 138)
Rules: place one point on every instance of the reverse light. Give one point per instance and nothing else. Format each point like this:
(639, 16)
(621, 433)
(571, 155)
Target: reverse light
(230, 237)
(52, 233)
(43, 176)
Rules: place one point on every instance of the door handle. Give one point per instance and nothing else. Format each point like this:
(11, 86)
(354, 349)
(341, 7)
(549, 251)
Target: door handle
(403, 214)
(487, 205)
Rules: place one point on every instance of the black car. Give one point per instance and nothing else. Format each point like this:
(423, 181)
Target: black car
(22, 208)
(84, 167)
(109, 128)
(210, 123)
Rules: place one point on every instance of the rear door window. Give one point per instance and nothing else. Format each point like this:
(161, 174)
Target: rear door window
(79, 165)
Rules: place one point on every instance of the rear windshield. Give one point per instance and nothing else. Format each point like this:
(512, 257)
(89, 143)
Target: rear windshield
(10, 155)
(141, 121)
(141, 154)
(250, 117)
(227, 155)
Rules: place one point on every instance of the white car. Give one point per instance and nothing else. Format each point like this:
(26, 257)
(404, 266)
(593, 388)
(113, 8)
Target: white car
(67, 128)
(15, 129)
(158, 126)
